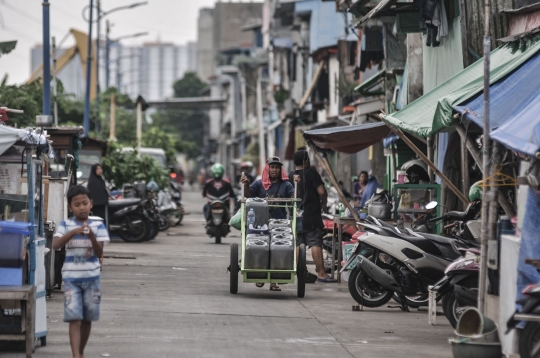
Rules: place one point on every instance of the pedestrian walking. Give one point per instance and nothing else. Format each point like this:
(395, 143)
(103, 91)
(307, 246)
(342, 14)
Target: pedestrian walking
(314, 200)
(98, 192)
(84, 240)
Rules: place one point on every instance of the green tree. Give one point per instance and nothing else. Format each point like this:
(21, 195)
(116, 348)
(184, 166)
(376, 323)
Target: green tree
(187, 127)
(27, 97)
(189, 86)
(157, 138)
(121, 167)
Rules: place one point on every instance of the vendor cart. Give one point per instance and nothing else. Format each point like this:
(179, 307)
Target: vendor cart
(269, 275)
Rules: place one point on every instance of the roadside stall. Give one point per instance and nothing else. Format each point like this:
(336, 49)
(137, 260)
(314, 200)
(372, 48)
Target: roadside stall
(22, 268)
(512, 121)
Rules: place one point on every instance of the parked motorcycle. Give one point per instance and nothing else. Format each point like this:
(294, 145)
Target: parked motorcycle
(129, 219)
(176, 197)
(459, 288)
(218, 217)
(530, 316)
(391, 260)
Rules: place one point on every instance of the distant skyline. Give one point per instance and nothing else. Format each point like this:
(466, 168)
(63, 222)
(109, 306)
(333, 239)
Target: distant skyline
(172, 21)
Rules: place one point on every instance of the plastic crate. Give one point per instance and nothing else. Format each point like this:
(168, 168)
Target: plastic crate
(12, 235)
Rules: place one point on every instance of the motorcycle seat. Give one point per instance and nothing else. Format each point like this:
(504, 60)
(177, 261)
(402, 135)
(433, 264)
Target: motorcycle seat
(124, 202)
(420, 242)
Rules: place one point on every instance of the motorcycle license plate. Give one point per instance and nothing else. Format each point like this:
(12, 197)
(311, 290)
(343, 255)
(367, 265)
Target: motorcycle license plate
(217, 211)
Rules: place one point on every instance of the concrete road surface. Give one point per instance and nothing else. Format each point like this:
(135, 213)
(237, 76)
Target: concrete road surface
(170, 298)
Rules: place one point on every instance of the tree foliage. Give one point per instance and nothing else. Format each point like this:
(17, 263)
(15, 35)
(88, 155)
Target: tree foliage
(189, 86)
(157, 138)
(123, 167)
(188, 127)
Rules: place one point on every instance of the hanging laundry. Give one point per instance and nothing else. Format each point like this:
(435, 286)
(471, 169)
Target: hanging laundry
(433, 18)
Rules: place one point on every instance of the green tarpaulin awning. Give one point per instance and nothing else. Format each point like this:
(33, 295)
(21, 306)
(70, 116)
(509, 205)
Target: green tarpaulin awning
(432, 112)
(366, 88)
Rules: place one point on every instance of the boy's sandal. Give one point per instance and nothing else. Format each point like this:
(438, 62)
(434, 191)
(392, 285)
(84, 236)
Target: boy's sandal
(259, 284)
(275, 288)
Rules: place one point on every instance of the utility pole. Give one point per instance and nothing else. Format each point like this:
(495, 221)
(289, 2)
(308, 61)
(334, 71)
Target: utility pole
(107, 53)
(486, 195)
(262, 147)
(55, 108)
(98, 44)
(86, 118)
(46, 60)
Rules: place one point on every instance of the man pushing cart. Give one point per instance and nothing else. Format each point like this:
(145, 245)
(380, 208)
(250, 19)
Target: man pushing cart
(269, 239)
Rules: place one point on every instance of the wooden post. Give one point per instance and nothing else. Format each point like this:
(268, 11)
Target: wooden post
(112, 131)
(465, 183)
(321, 157)
(430, 152)
(422, 156)
(139, 127)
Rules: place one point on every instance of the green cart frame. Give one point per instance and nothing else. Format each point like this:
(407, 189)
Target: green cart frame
(269, 276)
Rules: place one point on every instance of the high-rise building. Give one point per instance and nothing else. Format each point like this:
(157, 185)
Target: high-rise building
(221, 28)
(148, 70)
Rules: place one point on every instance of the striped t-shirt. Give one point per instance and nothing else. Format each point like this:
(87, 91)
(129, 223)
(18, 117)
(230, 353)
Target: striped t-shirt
(81, 264)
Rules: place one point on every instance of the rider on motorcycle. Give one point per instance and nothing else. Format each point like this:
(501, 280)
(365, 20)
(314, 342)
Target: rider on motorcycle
(217, 187)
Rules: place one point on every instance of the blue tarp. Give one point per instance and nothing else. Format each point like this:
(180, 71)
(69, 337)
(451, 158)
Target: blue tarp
(514, 108)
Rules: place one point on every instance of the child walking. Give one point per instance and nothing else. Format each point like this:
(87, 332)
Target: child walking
(84, 240)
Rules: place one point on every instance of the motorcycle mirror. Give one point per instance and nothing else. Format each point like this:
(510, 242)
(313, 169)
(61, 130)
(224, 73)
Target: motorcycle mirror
(431, 205)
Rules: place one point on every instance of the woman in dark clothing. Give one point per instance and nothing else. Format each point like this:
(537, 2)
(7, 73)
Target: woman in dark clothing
(98, 192)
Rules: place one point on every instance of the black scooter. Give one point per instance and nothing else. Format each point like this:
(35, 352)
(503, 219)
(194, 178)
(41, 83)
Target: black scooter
(217, 224)
(129, 219)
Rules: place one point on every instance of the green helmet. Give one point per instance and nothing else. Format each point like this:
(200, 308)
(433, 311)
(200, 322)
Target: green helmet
(217, 171)
(475, 192)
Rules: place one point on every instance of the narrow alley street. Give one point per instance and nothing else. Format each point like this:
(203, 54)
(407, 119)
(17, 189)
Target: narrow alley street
(170, 298)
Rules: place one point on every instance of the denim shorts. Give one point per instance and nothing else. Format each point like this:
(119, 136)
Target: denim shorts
(81, 300)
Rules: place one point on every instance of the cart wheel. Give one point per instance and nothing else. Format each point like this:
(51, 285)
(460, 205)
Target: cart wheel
(301, 271)
(234, 268)
(43, 341)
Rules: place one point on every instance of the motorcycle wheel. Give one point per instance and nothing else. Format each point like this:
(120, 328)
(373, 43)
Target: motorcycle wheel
(134, 228)
(529, 341)
(154, 230)
(414, 301)
(453, 310)
(163, 223)
(367, 292)
(218, 236)
(301, 272)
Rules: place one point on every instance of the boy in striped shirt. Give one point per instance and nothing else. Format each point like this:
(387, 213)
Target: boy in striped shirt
(84, 240)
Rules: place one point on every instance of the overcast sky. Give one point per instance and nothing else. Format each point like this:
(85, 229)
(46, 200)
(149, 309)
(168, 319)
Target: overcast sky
(166, 20)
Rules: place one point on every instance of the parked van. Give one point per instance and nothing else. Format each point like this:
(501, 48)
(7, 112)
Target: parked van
(157, 154)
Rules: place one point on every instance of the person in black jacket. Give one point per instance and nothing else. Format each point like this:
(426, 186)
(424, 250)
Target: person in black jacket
(98, 192)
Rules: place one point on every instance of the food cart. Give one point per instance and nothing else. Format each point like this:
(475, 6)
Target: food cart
(267, 273)
(22, 268)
